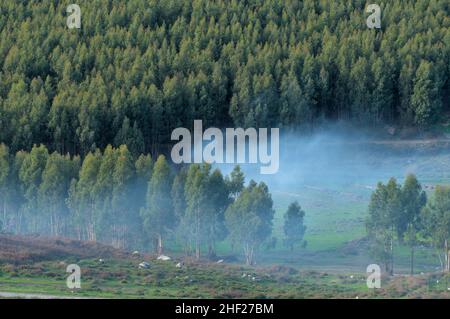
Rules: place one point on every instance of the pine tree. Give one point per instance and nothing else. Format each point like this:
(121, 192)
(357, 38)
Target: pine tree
(425, 99)
(130, 136)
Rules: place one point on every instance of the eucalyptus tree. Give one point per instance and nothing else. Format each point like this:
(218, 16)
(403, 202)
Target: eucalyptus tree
(158, 215)
(249, 219)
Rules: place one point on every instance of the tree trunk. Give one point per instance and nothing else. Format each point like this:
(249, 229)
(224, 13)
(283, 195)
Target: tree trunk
(412, 260)
(51, 224)
(392, 255)
(19, 222)
(197, 247)
(447, 257)
(448, 260)
(4, 215)
(160, 245)
(92, 235)
(210, 250)
(197, 235)
(248, 251)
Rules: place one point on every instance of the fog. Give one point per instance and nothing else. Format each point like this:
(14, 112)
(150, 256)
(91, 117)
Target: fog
(337, 157)
(332, 171)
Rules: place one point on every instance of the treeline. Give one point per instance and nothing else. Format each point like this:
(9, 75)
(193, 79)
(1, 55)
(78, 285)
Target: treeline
(133, 202)
(138, 69)
(403, 214)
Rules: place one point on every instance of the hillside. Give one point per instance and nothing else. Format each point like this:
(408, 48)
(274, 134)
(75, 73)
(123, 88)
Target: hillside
(137, 70)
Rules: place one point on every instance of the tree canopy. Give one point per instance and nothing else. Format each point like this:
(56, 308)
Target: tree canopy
(138, 69)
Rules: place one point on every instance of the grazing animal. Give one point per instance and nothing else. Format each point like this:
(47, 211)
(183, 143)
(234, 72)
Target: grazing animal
(144, 265)
(164, 258)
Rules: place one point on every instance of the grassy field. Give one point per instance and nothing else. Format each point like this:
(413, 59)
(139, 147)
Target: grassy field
(335, 199)
(123, 279)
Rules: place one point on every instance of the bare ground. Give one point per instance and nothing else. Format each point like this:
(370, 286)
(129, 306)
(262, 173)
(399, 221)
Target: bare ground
(20, 249)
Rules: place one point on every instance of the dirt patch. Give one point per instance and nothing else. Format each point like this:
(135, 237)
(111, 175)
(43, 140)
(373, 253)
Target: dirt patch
(20, 249)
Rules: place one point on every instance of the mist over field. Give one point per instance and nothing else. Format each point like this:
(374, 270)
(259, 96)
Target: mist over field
(334, 157)
(332, 174)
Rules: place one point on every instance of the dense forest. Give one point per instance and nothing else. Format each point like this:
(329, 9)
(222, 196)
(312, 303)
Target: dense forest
(138, 69)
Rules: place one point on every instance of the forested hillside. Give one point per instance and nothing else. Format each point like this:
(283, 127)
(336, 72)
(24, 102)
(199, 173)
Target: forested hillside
(137, 69)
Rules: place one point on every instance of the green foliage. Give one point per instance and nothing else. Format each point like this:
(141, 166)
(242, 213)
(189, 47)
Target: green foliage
(236, 181)
(294, 230)
(82, 198)
(425, 100)
(249, 219)
(414, 199)
(122, 218)
(158, 214)
(437, 223)
(30, 177)
(384, 210)
(199, 216)
(56, 178)
(395, 213)
(5, 193)
(130, 203)
(135, 71)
